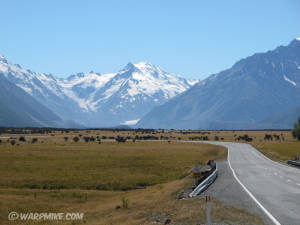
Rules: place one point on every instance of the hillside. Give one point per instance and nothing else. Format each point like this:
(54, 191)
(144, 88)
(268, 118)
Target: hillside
(19, 109)
(242, 97)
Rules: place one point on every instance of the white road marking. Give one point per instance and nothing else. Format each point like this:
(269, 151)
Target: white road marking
(288, 180)
(298, 184)
(274, 220)
(275, 173)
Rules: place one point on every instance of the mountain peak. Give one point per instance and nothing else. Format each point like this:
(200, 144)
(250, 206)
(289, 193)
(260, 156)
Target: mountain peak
(295, 42)
(142, 66)
(129, 66)
(145, 66)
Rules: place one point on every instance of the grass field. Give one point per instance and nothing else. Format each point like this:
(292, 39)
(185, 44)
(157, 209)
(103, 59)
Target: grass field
(56, 174)
(106, 166)
(145, 206)
(280, 151)
(53, 175)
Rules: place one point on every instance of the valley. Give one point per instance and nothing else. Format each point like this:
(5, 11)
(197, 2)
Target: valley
(150, 112)
(96, 173)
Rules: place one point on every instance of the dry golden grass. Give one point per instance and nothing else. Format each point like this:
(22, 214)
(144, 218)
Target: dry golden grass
(55, 163)
(99, 207)
(279, 151)
(106, 166)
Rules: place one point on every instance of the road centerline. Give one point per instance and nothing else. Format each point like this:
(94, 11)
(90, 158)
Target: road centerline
(271, 217)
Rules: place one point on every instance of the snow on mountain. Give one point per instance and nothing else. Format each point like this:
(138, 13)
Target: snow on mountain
(252, 94)
(130, 122)
(19, 109)
(97, 99)
(113, 99)
(290, 81)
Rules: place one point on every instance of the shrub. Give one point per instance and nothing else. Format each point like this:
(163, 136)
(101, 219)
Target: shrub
(268, 137)
(34, 140)
(296, 130)
(245, 138)
(76, 139)
(66, 138)
(86, 139)
(13, 142)
(277, 137)
(120, 139)
(125, 203)
(92, 138)
(22, 138)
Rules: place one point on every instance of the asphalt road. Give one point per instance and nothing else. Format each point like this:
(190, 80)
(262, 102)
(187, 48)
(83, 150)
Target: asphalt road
(273, 187)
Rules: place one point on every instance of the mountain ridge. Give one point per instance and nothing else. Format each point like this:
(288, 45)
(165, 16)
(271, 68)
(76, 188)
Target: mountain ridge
(99, 100)
(241, 97)
(19, 109)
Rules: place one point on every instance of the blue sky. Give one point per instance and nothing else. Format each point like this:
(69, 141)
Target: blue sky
(191, 38)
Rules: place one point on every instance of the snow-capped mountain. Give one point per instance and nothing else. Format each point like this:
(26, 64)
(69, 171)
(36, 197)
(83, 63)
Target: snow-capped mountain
(95, 99)
(45, 88)
(126, 96)
(17, 108)
(256, 92)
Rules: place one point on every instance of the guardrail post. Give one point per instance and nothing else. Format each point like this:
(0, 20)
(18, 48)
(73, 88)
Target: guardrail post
(208, 209)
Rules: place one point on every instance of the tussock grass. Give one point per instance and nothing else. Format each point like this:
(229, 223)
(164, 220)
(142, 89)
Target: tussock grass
(109, 166)
(279, 151)
(144, 206)
(55, 175)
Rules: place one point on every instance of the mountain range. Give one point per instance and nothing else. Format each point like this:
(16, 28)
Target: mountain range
(85, 99)
(259, 92)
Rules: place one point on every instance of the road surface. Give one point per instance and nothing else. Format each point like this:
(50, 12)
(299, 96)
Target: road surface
(274, 187)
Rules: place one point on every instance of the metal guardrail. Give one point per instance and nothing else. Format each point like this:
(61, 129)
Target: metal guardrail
(204, 184)
(295, 163)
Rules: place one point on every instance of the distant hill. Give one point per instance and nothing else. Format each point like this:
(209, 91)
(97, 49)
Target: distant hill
(249, 95)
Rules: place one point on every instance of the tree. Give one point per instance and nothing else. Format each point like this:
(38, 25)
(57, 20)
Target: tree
(86, 139)
(22, 138)
(296, 130)
(34, 140)
(120, 139)
(92, 138)
(76, 139)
